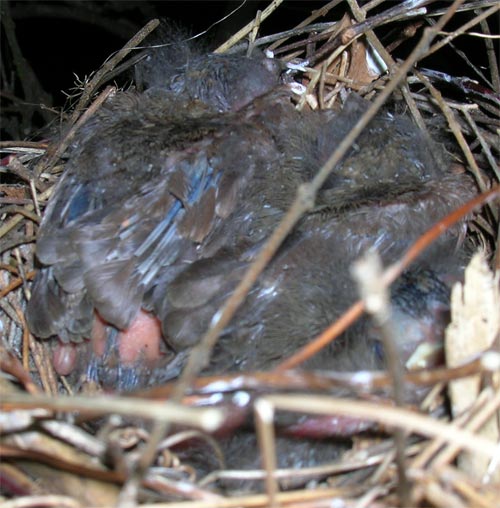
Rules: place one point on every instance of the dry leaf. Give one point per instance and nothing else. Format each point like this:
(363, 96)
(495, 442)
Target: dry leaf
(475, 324)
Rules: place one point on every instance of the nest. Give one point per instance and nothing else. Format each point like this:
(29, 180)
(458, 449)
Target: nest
(51, 456)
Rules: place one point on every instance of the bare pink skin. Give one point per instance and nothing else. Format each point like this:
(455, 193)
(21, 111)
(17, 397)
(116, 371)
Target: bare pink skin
(140, 342)
(64, 358)
(142, 339)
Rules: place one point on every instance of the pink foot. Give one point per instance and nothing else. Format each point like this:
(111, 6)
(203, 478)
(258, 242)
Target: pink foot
(140, 342)
(64, 358)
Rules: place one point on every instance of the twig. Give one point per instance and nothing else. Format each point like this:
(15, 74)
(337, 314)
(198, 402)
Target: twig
(455, 128)
(367, 271)
(109, 65)
(18, 218)
(52, 156)
(459, 31)
(492, 57)
(263, 382)
(391, 417)
(248, 28)
(388, 16)
(390, 275)
(305, 24)
(486, 149)
(36, 145)
(264, 416)
(207, 419)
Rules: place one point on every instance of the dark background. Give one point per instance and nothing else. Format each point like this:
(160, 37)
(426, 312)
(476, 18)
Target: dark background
(61, 39)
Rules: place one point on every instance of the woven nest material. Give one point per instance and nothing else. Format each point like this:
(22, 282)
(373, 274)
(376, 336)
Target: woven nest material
(51, 456)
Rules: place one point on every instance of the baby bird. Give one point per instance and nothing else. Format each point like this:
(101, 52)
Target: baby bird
(387, 191)
(148, 178)
(169, 194)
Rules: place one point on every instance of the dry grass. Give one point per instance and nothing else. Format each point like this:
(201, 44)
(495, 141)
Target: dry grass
(50, 457)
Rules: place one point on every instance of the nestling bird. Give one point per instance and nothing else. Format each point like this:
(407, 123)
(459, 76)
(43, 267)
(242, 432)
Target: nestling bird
(147, 180)
(386, 192)
(168, 195)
